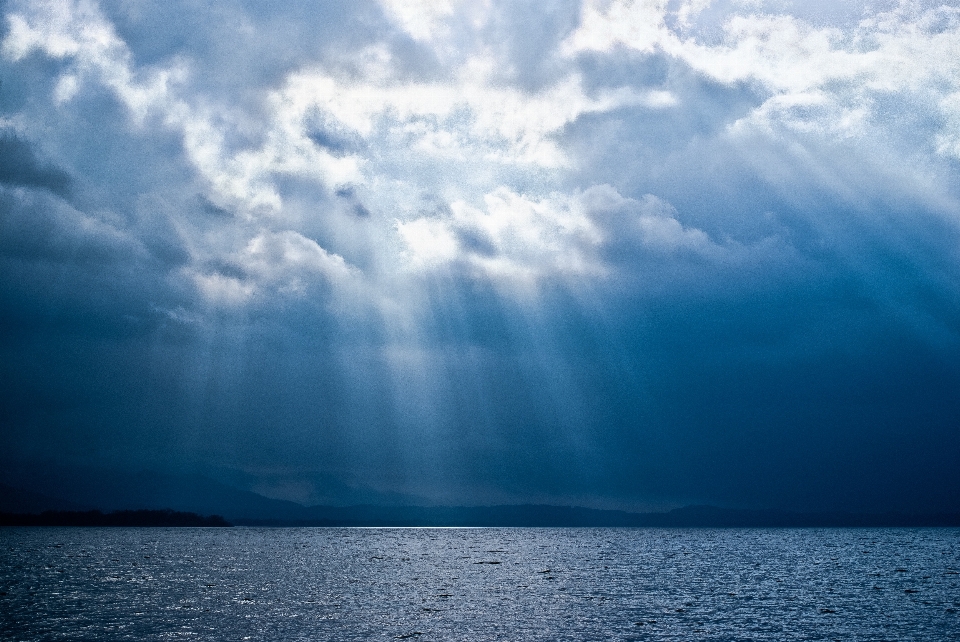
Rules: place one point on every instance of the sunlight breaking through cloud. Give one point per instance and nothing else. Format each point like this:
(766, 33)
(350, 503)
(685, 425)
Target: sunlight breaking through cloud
(634, 250)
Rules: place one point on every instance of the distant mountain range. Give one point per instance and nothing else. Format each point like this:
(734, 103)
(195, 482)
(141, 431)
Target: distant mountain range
(532, 515)
(117, 518)
(84, 490)
(76, 488)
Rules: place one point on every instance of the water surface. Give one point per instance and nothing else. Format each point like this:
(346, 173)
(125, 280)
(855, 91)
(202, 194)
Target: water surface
(479, 584)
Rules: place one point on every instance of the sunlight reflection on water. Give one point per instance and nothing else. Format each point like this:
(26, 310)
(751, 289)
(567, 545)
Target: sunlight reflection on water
(479, 584)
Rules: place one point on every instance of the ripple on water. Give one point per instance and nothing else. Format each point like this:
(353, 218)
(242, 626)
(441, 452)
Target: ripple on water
(479, 584)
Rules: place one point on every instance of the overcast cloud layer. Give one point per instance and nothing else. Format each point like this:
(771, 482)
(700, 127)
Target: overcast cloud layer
(605, 252)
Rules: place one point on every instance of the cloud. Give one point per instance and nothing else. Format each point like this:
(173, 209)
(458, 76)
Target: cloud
(422, 19)
(284, 263)
(624, 250)
(38, 227)
(594, 235)
(815, 76)
(19, 165)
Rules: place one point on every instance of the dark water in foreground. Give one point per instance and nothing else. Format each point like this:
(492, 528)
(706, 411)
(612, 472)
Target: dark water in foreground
(479, 584)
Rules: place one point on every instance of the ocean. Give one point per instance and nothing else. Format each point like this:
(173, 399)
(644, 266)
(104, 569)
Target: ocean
(478, 584)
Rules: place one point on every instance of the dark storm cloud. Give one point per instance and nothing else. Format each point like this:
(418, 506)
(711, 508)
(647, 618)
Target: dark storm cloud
(591, 252)
(20, 166)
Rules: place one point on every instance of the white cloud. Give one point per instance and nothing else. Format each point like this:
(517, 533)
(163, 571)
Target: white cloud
(430, 241)
(422, 19)
(273, 263)
(948, 140)
(430, 20)
(646, 224)
(691, 9)
(392, 139)
(221, 290)
(840, 71)
(637, 24)
(280, 257)
(520, 241)
(240, 179)
(454, 120)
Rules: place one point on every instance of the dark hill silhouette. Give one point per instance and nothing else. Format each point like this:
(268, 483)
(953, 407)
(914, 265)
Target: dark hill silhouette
(116, 518)
(63, 488)
(572, 516)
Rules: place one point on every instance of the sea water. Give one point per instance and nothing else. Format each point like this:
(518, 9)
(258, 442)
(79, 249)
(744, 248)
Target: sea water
(479, 584)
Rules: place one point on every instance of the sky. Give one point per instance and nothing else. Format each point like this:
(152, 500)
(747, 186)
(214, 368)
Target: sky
(613, 253)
